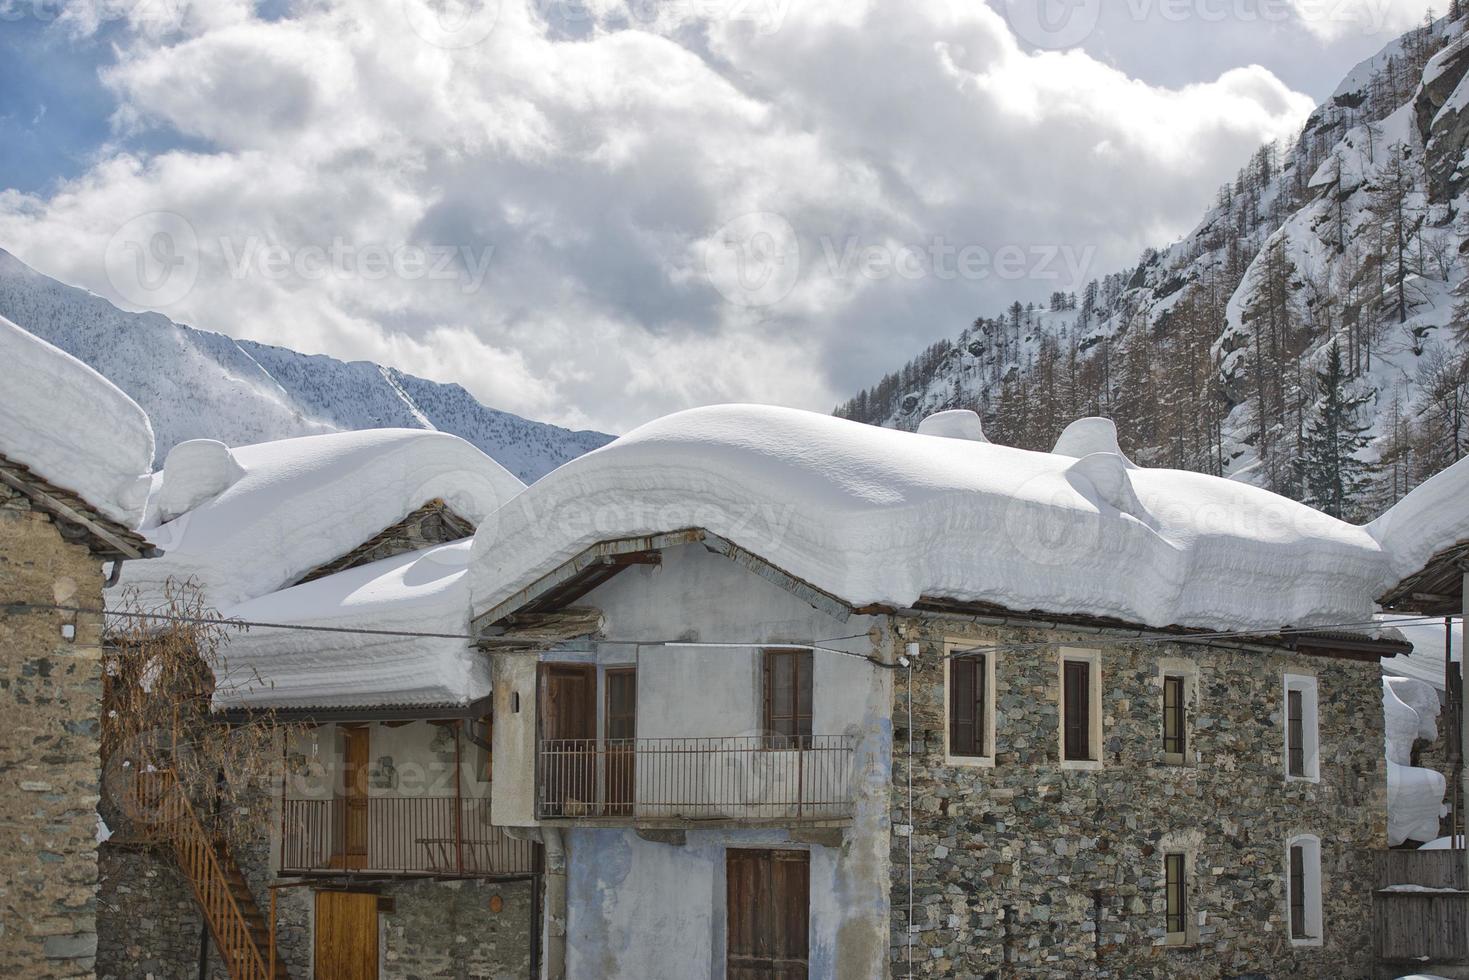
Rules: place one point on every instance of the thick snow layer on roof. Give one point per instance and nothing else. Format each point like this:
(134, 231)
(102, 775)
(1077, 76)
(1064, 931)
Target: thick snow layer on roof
(72, 427)
(298, 503)
(421, 592)
(876, 515)
(1433, 517)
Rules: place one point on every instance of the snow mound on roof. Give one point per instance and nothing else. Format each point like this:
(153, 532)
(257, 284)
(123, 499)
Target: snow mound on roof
(879, 516)
(196, 470)
(72, 427)
(423, 591)
(958, 423)
(300, 503)
(1433, 517)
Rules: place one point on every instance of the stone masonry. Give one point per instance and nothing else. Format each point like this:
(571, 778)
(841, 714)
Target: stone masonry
(50, 691)
(1027, 869)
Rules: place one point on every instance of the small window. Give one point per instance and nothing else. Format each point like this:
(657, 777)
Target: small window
(1303, 889)
(788, 698)
(1175, 719)
(1302, 748)
(971, 723)
(1081, 710)
(1176, 889)
(622, 703)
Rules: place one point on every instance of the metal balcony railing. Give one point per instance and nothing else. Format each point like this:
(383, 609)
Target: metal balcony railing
(412, 836)
(766, 778)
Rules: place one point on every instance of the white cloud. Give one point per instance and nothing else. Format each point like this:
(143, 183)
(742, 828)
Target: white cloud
(592, 156)
(1335, 19)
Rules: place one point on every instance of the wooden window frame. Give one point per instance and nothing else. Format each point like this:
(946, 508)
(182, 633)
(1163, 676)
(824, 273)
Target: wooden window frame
(1300, 729)
(1175, 718)
(1175, 898)
(608, 714)
(982, 753)
(1303, 891)
(800, 719)
(1092, 659)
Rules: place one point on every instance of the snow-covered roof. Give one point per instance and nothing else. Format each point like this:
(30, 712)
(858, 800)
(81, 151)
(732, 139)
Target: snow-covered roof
(72, 427)
(423, 591)
(1434, 517)
(263, 516)
(879, 516)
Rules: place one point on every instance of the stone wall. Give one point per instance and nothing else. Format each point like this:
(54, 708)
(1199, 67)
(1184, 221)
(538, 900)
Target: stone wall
(1030, 869)
(149, 923)
(50, 691)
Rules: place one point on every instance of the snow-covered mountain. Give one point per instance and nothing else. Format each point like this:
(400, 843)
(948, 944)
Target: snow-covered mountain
(197, 384)
(1207, 352)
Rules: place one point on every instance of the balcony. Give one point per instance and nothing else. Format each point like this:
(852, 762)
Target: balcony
(743, 779)
(411, 836)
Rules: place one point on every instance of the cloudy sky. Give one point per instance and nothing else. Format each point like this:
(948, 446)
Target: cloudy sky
(597, 211)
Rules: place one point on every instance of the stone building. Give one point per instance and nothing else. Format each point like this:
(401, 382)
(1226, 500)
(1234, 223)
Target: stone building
(72, 451)
(374, 849)
(1140, 710)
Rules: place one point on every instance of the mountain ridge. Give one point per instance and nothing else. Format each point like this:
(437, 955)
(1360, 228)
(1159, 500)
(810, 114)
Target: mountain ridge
(196, 383)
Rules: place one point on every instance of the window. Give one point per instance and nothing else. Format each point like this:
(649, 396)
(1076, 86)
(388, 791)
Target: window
(970, 683)
(1303, 889)
(788, 697)
(1176, 892)
(1081, 709)
(1302, 748)
(1175, 718)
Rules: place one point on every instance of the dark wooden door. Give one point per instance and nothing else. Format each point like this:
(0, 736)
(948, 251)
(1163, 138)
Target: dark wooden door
(622, 730)
(769, 898)
(346, 936)
(569, 731)
(355, 754)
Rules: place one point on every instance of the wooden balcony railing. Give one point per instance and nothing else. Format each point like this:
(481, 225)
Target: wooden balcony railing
(765, 778)
(410, 836)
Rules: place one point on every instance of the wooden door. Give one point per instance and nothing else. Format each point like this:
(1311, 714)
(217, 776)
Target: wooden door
(355, 750)
(569, 732)
(346, 936)
(768, 902)
(622, 731)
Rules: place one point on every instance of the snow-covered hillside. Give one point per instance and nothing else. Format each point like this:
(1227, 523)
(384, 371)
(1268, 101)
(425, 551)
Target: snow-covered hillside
(195, 384)
(1207, 353)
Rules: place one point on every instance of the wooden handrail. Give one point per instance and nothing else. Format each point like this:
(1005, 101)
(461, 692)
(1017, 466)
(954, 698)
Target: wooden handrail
(201, 864)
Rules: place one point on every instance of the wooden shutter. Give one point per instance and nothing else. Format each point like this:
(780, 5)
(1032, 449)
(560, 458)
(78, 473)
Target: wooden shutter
(1077, 682)
(1173, 865)
(788, 695)
(1295, 743)
(768, 897)
(967, 721)
(1174, 739)
(1298, 892)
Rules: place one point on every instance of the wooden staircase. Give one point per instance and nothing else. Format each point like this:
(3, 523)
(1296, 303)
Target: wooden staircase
(240, 932)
